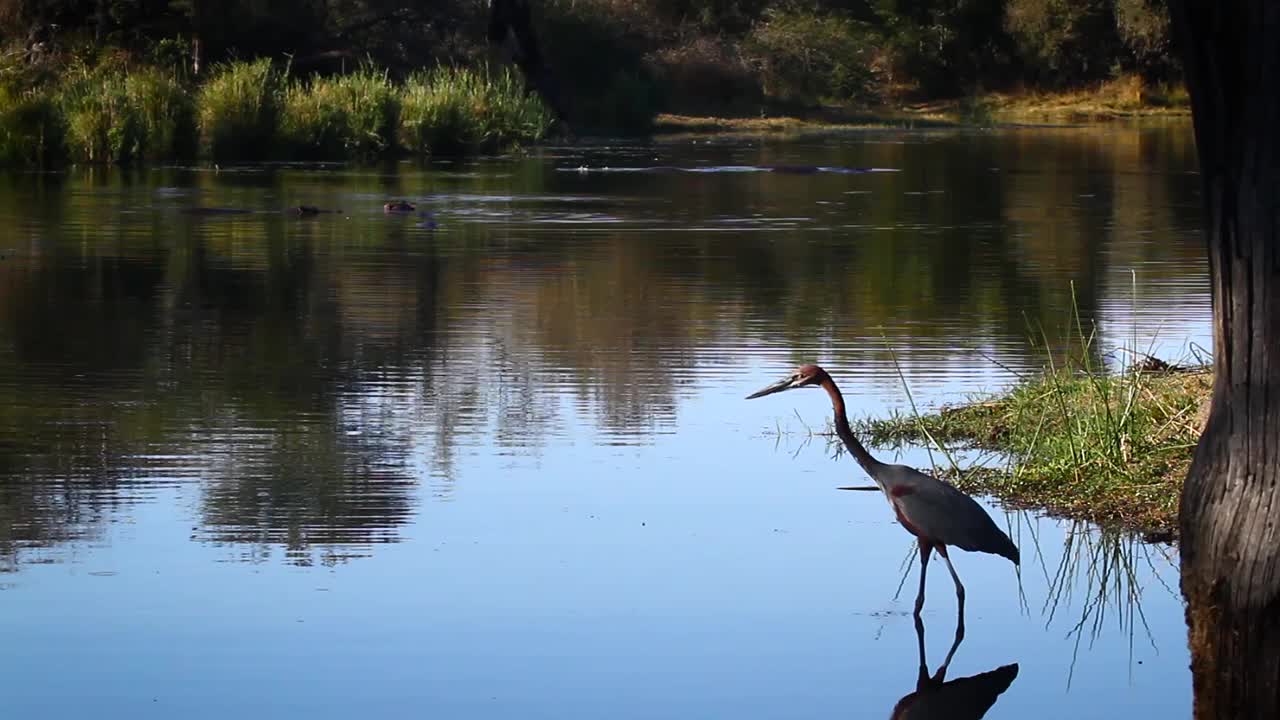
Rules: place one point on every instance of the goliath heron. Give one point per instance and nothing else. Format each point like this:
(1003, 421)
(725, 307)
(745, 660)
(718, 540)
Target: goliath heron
(937, 514)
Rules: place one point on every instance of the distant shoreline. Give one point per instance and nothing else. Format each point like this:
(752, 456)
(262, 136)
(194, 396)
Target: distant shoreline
(1118, 101)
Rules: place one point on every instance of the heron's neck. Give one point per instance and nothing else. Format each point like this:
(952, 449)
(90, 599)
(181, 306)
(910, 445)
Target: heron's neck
(845, 432)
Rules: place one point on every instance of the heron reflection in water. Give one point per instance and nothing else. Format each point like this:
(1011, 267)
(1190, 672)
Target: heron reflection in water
(966, 698)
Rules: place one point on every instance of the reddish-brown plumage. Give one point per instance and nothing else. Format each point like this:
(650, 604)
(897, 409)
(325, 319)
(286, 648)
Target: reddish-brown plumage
(901, 490)
(905, 522)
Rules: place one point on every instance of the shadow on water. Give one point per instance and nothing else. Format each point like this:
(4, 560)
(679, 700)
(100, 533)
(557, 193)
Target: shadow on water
(966, 698)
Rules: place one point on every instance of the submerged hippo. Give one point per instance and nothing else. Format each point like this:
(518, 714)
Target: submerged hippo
(306, 210)
(399, 206)
(214, 211)
(300, 210)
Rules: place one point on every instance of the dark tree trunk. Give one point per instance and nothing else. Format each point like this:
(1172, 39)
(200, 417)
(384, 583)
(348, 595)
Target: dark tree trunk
(100, 22)
(1230, 519)
(32, 14)
(199, 29)
(514, 19)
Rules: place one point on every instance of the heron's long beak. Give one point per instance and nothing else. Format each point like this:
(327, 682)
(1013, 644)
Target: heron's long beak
(783, 384)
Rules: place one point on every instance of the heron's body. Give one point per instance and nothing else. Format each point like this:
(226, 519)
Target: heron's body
(935, 512)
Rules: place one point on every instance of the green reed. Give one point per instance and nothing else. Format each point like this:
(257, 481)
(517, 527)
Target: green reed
(103, 124)
(347, 116)
(451, 110)
(122, 116)
(167, 112)
(239, 110)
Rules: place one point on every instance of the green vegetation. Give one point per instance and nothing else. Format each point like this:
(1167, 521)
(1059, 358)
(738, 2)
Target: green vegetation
(167, 114)
(806, 55)
(456, 110)
(606, 52)
(31, 129)
(125, 116)
(615, 65)
(771, 56)
(352, 115)
(103, 125)
(239, 109)
(248, 111)
(1081, 441)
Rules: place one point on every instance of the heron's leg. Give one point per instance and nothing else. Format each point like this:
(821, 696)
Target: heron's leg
(955, 644)
(925, 549)
(922, 678)
(942, 550)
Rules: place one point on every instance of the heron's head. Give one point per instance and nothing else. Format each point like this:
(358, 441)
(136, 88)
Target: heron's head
(803, 376)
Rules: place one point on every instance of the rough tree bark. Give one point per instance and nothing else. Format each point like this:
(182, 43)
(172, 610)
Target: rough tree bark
(1230, 519)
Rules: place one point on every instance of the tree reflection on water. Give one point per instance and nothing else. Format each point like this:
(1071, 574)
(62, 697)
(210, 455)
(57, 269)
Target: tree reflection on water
(311, 375)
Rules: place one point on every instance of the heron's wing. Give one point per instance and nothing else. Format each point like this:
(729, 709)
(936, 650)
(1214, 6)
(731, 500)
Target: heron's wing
(943, 514)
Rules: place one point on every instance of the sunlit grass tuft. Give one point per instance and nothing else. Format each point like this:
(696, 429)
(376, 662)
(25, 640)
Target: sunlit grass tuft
(1110, 447)
(103, 124)
(168, 114)
(348, 116)
(452, 110)
(239, 110)
(113, 115)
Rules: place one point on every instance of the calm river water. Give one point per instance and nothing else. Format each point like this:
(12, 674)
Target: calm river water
(352, 465)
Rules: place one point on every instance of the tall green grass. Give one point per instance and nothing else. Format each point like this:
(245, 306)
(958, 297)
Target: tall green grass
(452, 110)
(168, 114)
(349, 116)
(247, 112)
(121, 116)
(103, 124)
(239, 111)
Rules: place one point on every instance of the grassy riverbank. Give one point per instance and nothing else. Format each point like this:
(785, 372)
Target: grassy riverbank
(1111, 448)
(253, 111)
(1120, 99)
